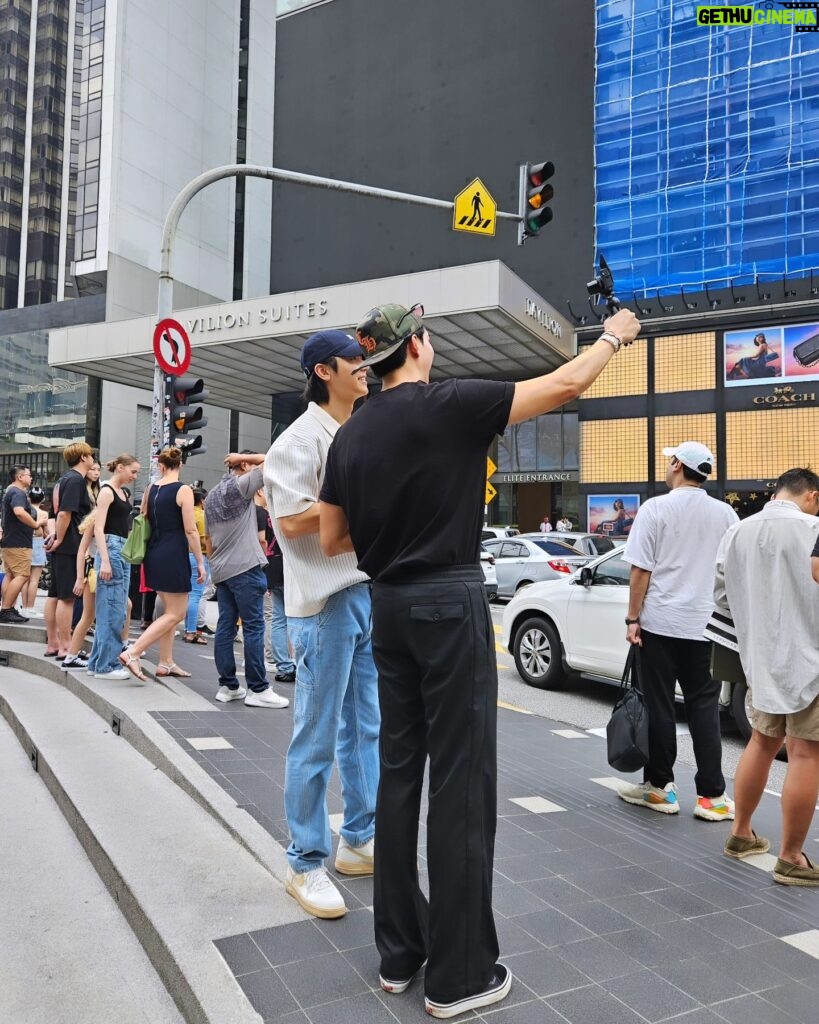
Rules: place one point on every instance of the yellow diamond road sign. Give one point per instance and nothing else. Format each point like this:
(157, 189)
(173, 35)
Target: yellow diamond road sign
(475, 210)
(490, 490)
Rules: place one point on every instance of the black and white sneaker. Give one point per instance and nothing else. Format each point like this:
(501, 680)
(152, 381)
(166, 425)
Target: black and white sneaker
(75, 661)
(497, 989)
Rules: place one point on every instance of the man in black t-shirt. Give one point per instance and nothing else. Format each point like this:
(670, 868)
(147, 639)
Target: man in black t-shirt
(72, 505)
(18, 530)
(404, 489)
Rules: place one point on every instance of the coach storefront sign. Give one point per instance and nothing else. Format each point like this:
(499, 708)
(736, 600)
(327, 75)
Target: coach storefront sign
(785, 396)
(559, 476)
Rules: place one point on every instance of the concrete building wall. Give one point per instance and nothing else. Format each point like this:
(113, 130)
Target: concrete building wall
(422, 98)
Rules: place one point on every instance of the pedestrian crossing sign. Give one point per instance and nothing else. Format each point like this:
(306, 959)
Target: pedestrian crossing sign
(475, 210)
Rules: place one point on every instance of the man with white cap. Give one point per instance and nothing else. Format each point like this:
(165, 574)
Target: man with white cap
(672, 549)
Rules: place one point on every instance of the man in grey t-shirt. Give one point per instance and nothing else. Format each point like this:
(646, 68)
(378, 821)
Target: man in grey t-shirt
(237, 565)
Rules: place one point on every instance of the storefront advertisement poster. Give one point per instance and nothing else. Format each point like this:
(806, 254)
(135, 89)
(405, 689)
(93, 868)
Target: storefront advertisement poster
(754, 356)
(611, 514)
(802, 352)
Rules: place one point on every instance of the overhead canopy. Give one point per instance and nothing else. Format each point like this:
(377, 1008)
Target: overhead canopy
(484, 321)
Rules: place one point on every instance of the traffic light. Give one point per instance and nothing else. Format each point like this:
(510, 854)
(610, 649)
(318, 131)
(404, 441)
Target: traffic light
(187, 393)
(535, 194)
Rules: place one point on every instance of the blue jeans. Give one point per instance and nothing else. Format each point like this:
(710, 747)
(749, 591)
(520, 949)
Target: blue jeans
(197, 590)
(241, 597)
(278, 633)
(112, 607)
(336, 717)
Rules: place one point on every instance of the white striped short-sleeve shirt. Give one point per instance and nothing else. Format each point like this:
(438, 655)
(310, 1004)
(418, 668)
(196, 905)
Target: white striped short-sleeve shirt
(293, 475)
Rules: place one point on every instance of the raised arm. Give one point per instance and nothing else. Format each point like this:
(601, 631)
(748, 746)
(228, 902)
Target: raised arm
(542, 394)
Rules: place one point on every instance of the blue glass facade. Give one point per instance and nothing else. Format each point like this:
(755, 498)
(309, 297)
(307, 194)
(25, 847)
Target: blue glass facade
(706, 147)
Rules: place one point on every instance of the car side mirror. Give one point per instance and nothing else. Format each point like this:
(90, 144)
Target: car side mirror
(586, 576)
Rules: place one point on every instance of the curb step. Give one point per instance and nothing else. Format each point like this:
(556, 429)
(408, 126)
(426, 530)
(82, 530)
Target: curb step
(125, 708)
(177, 872)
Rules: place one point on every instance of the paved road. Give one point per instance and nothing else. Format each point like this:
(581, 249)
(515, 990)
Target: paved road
(587, 705)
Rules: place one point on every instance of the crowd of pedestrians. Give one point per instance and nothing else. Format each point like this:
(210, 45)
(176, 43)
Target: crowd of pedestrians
(375, 607)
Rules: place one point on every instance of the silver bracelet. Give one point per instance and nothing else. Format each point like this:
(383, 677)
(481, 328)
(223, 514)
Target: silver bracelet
(612, 339)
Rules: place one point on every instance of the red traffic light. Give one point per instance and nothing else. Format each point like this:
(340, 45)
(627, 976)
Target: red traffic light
(539, 173)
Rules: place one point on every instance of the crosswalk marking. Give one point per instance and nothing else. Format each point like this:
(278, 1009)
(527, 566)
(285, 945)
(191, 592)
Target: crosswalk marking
(570, 734)
(808, 942)
(763, 861)
(209, 743)
(536, 804)
(610, 782)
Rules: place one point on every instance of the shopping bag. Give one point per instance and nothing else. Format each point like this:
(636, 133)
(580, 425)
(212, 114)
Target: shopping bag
(136, 544)
(627, 730)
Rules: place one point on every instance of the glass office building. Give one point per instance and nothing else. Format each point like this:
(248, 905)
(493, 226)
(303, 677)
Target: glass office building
(706, 148)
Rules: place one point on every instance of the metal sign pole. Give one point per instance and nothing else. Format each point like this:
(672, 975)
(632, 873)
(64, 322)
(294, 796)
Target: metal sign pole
(161, 416)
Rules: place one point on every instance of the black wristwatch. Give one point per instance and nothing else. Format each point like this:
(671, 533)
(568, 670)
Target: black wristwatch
(632, 622)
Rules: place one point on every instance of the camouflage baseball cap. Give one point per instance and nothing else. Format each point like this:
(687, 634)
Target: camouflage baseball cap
(384, 329)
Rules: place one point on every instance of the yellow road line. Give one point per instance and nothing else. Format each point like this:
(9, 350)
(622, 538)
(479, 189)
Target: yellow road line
(498, 628)
(500, 648)
(513, 707)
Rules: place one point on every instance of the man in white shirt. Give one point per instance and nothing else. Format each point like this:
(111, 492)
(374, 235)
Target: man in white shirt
(545, 525)
(564, 524)
(672, 546)
(328, 608)
(762, 563)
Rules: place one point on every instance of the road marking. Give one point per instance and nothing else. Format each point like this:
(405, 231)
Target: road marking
(610, 782)
(763, 861)
(536, 804)
(513, 707)
(500, 649)
(570, 734)
(209, 743)
(497, 628)
(599, 731)
(808, 942)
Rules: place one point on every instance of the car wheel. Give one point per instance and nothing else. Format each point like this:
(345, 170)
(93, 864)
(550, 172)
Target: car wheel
(537, 653)
(522, 584)
(741, 709)
(491, 595)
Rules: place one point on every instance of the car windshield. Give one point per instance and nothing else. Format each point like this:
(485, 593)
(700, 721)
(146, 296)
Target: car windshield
(556, 547)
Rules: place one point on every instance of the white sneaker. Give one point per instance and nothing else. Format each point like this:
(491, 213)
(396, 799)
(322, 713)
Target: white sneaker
(355, 860)
(266, 699)
(31, 613)
(645, 795)
(268, 664)
(115, 673)
(225, 694)
(316, 893)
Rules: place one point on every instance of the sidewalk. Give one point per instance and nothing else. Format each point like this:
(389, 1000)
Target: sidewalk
(606, 912)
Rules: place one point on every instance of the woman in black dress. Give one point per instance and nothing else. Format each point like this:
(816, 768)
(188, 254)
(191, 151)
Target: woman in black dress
(169, 507)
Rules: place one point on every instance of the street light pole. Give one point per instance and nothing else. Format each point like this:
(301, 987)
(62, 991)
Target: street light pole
(161, 416)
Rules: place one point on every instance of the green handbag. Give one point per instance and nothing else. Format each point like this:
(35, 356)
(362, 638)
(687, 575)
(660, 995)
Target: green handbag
(134, 548)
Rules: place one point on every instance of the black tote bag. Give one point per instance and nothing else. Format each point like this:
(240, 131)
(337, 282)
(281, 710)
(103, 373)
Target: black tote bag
(627, 731)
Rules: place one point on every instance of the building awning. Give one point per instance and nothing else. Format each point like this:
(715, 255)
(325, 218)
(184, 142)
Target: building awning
(484, 322)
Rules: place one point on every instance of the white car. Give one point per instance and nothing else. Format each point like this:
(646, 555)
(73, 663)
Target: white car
(490, 577)
(576, 624)
(494, 532)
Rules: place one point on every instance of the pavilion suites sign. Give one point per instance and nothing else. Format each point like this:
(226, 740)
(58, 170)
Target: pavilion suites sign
(263, 316)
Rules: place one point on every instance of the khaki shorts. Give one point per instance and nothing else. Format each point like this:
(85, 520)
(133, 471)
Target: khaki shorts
(802, 725)
(17, 561)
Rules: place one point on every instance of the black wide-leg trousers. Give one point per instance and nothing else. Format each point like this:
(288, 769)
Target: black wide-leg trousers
(434, 649)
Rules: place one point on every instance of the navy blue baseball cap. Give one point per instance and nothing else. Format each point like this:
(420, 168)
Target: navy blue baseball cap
(324, 345)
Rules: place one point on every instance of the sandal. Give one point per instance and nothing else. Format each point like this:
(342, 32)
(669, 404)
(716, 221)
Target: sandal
(128, 660)
(194, 638)
(170, 668)
(50, 654)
